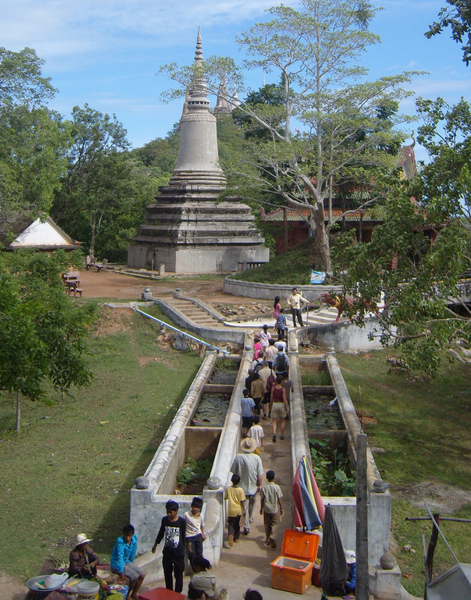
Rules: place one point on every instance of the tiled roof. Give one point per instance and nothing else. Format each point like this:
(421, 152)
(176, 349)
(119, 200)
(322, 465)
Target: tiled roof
(302, 214)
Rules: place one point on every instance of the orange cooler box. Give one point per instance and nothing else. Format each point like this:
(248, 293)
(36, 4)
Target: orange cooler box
(292, 571)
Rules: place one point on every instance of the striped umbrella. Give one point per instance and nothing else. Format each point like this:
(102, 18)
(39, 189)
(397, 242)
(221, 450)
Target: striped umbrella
(309, 508)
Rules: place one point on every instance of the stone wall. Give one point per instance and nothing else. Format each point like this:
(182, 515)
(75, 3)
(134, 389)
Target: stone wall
(267, 291)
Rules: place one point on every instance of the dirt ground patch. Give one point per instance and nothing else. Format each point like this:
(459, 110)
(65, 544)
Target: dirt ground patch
(445, 499)
(114, 320)
(12, 589)
(114, 285)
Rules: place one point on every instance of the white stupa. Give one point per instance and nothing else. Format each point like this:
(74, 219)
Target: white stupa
(187, 230)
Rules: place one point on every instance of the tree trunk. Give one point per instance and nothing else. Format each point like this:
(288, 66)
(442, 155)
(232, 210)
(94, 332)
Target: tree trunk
(92, 238)
(321, 237)
(18, 411)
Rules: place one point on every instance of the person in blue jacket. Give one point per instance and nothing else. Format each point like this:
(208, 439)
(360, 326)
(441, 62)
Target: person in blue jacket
(352, 573)
(122, 561)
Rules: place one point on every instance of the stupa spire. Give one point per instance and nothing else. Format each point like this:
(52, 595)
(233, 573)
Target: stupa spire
(198, 99)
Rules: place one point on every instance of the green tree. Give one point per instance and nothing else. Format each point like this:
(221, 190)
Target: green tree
(97, 178)
(445, 182)
(21, 80)
(42, 332)
(456, 15)
(412, 264)
(33, 139)
(314, 50)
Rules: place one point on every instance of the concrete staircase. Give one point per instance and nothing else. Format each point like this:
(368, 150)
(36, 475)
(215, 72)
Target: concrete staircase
(204, 318)
(195, 313)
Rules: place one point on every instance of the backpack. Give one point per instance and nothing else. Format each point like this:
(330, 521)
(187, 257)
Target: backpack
(281, 365)
(270, 382)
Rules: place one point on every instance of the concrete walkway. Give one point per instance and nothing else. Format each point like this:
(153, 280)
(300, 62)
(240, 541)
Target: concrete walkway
(247, 564)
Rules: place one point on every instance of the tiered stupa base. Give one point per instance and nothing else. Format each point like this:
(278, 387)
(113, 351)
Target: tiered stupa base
(188, 231)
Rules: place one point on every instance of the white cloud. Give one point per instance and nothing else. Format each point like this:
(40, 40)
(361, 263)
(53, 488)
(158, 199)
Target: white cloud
(64, 28)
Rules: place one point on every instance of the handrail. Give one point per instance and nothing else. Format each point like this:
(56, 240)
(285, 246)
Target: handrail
(182, 332)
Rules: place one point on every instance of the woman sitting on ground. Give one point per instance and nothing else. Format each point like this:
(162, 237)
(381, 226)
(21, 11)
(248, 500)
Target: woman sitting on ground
(82, 560)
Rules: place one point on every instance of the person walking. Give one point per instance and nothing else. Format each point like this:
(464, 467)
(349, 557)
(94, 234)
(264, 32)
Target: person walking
(271, 508)
(279, 407)
(281, 325)
(270, 353)
(295, 301)
(276, 310)
(281, 363)
(249, 466)
(264, 337)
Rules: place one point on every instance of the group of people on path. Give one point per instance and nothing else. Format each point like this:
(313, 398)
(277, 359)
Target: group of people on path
(247, 483)
(267, 388)
(295, 302)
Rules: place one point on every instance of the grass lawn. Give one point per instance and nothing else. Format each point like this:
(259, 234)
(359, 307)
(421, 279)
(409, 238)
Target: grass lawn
(423, 426)
(71, 467)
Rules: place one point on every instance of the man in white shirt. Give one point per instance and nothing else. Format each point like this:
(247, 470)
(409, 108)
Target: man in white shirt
(249, 466)
(295, 301)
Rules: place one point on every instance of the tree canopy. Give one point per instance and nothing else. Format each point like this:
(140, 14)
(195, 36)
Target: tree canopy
(42, 332)
(456, 15)
(32, 138)
(316, 52)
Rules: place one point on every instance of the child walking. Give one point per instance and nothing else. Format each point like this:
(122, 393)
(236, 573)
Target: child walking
(194, 530)
(281, 324)
(173, 528)
(271, 508)
(235, 497)
(256, 433)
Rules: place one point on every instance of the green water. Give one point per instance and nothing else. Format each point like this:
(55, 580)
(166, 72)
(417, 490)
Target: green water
(319, 414)
(212, 410)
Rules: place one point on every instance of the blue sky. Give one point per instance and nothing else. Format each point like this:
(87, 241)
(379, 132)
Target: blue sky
(106, 52)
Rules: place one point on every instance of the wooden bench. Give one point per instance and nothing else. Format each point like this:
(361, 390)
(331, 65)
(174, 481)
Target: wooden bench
(101, 266)
(90, 263)
(73, 287)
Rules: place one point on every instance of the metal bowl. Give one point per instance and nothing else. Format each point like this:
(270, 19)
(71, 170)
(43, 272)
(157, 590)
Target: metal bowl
(32, 585)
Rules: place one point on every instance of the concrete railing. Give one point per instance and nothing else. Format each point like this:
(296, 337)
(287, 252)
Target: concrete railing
(267, 291)
(148, 504)
(208, 333)
(379, 505)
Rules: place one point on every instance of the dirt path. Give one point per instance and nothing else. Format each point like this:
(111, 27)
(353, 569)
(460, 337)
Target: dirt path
(113, 285)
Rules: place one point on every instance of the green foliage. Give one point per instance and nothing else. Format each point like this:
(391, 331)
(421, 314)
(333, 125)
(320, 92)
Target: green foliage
(98, 179)
(194, 470)
(292, 267)
(160, 154)
(78, 458)
(418, 291)
(457, 16)
(444, 185)
(32, 138)
(43, 332)
(21, 80)
(331, 468)
(315, 378)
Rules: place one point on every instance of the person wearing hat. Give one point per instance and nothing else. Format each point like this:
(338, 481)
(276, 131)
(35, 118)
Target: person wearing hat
(352, 573)
(249, 466)
(82, 560)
